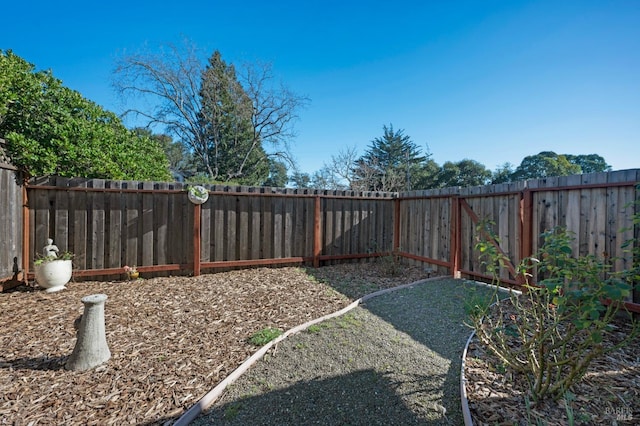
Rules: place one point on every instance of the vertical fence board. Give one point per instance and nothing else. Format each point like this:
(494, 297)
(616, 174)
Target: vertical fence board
(243, 206)
(231, 212)
(278, 227)
(61, 219)
(96, 223)
(288, 231)
(11, 220)
(337, 226)
(267, 228)
(255, 220)
(347, 225)
(147, 226)
(78, 202)
(217, 227)
(132, 222)
(327, 225)
(114, 229)
(206, 231)
(423, 213)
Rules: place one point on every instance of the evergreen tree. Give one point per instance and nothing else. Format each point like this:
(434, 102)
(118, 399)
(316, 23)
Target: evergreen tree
(277, 174)
(391, 163)
(232, 153)
(224, 118)
(502, 174)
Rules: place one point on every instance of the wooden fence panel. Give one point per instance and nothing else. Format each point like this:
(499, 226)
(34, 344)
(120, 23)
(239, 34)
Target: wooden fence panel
(621, 209)
(113, 229)
(109, 224)
(499, 204)
(78, 234)
(425, 218)
(255, 218)
(11, 217)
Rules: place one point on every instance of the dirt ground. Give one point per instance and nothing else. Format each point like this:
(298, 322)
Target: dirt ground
(171, 339)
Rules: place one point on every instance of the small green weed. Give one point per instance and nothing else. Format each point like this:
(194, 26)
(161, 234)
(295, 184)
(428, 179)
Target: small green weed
(477, 302)
(315, 328)
(232, 411)
(264, 336)
(348, 320)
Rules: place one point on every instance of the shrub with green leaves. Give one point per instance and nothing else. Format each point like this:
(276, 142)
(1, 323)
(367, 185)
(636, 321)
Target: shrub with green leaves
(51, 129)
(554, 330)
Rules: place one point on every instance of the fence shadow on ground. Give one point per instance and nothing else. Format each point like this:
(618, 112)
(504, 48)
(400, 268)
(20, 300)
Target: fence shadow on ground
(360, 398)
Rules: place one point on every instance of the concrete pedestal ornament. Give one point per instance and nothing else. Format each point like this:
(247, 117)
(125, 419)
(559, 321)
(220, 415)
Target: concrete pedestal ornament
(91, 347)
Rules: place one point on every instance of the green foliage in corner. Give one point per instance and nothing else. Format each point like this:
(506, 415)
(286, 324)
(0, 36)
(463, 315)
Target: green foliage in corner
(554, 330)
(52, 130)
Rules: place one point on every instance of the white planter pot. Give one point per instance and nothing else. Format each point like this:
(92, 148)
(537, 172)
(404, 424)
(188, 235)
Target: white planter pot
(54, 275)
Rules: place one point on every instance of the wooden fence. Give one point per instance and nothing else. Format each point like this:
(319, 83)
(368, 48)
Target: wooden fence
(438, 226)
(11, 196)
(109, 224)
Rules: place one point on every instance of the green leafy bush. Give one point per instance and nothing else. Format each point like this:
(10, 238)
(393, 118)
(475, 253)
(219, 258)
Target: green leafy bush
(554, 330)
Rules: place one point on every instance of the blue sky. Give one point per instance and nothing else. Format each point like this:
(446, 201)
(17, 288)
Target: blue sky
(493, 81)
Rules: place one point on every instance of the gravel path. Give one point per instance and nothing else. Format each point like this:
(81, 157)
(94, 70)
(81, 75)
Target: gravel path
(394, 360)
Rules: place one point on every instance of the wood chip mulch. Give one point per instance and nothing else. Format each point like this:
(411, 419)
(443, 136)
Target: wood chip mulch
(172, 339)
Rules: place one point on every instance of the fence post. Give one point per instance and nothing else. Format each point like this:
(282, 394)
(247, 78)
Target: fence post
(25, 230)
(456, 225)
(526, 206)
(196, 239)
(317, 233)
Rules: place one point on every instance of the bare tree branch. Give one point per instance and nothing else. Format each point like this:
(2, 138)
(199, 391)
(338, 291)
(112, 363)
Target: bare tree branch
(166, 89)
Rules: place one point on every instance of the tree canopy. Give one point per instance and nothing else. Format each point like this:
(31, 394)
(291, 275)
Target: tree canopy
(548, 163)
(394, 163)
(232, 150)
(224, 117)
(52, 130)
(462, 173)
(391, 163)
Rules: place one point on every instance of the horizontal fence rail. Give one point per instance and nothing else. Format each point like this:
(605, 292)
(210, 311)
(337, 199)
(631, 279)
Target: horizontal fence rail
(110, 224)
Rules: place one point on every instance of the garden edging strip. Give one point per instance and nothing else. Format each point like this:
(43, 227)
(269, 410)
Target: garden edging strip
(207, 400)
(466, 412)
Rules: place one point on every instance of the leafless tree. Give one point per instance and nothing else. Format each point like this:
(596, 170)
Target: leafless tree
(164, 89)
(342, 166)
